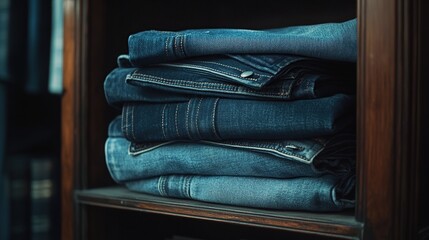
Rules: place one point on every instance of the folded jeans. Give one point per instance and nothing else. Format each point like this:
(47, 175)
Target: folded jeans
(260, 77)
(277, 159)
(222, 119)
(318, 194)
(333, 41)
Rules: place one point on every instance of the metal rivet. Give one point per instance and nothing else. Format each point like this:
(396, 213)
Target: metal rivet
(292, 147)
(246, 74)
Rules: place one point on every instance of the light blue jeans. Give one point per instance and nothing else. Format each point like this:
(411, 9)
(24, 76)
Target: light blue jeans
(333, 41)
(185, 169)
(317, 194)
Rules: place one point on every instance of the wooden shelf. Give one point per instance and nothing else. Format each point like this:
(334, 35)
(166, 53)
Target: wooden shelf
(341, 224)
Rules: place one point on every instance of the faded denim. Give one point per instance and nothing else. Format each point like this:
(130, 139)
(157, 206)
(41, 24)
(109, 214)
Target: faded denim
(317, 194)
(222, 119)
(314, 175)
(333, 41)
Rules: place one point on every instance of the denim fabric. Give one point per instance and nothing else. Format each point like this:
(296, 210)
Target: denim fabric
(221, 119)
(117, 91)
(318, 194)
(278, 159)
(281, 77)
(237, 175)
(333, 41)
(196, 158)
(304, 150)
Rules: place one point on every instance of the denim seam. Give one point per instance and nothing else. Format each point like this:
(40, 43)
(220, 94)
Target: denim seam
(126, 126)
(289, 89)
(182, 46)
(166, 46)
(175, 46)
(129, 122)
(213, 118)
(197, 118)
(263, 148)
(181, 186)
(185, 83)
(176, 120)
(214, 70)
(231, 67)
(191, 84)
(161, 186)
(187, 120)
(132, 123)
(163, 121)
(134, 149)
(191, 119)
(187, 184)
(227, 66)
(165, 185)
(124, 121)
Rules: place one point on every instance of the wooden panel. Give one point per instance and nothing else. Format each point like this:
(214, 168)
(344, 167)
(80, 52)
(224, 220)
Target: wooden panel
(69, 125)
(423, 207)
(388, 118)
(328, 224)
(154, 226)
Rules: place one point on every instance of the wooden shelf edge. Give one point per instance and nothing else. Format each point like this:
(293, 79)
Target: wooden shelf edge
(341, 225)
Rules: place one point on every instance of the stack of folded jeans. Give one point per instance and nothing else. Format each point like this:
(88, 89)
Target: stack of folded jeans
(256, 118)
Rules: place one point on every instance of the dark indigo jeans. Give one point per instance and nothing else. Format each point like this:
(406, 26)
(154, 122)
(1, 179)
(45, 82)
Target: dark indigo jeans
(262, 77)
(222, 119)
(333, 41)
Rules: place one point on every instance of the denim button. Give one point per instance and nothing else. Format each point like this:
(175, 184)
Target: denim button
(246, 74)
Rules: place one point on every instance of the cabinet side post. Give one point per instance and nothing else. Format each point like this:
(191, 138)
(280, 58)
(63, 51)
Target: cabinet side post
(70, 112)
(388, 109)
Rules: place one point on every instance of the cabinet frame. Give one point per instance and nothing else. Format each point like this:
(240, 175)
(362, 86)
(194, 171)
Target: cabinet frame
(389, 116)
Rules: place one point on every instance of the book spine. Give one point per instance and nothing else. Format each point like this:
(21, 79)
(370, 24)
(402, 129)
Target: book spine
(42, 198)
(19, 179)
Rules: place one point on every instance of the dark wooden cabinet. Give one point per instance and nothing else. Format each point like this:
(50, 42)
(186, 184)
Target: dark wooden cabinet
(392, 119)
